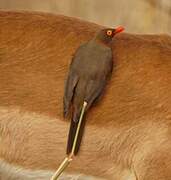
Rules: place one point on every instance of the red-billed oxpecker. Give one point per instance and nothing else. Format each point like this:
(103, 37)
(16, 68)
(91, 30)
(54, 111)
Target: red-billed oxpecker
(89, 72)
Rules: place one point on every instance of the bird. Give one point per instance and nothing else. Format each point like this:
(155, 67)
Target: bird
(90, 70)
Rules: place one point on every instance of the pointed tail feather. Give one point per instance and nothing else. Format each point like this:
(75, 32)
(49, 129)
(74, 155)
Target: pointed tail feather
(71, 135)
(72, 132)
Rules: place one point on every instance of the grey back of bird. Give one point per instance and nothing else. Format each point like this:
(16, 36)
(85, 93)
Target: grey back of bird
(92, 58)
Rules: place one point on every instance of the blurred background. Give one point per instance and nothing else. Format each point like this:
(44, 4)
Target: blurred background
(138, 16)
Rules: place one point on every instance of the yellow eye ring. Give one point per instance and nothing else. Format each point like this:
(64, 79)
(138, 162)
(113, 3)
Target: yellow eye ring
(109, 32)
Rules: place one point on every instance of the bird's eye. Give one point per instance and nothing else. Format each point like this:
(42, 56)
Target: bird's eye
(109, 32)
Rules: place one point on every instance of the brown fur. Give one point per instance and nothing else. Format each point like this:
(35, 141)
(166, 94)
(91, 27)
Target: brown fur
(128, 132)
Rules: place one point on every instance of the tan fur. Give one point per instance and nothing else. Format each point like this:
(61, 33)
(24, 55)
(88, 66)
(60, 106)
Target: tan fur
(128, 132)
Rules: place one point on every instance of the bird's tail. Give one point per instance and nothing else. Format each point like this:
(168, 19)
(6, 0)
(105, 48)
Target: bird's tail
(71, 136)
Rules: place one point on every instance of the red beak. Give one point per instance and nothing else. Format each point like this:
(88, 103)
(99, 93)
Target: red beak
(119, 29)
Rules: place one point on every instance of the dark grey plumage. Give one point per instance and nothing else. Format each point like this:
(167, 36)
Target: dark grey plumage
(90, 70)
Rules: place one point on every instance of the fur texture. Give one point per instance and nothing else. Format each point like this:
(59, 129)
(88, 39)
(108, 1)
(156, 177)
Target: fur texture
(35, 52)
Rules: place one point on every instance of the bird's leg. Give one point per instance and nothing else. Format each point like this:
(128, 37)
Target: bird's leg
(69, 158)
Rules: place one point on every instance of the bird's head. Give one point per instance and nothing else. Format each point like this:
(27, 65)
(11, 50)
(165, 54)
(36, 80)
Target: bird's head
(106, 35)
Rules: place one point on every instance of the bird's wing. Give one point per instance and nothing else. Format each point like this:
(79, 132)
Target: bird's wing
(70, 85)
(96, 87)
(72, 80)
(94, 91)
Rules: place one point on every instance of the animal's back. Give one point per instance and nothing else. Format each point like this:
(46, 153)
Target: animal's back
(131, 124)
